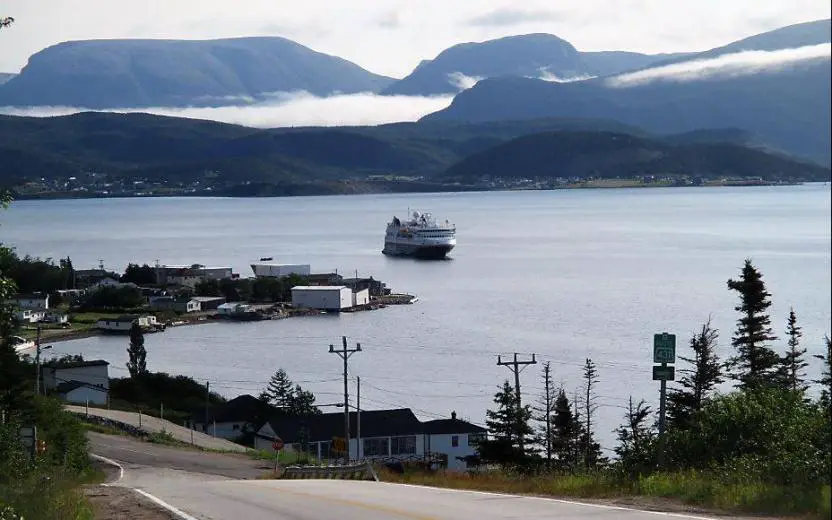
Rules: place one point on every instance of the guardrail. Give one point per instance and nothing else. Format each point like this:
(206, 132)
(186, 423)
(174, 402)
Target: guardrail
(362, 471)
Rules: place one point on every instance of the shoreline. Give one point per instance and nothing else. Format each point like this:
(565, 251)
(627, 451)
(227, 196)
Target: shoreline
(450, 188)
(62, 335)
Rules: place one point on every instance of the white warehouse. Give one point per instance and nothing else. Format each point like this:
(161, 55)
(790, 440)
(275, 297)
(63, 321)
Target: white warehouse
(329, 297)
(280, 270)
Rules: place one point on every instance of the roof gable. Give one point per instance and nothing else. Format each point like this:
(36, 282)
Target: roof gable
(451, 426)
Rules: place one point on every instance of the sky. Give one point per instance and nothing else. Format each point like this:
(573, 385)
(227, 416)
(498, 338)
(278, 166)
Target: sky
(392, 36)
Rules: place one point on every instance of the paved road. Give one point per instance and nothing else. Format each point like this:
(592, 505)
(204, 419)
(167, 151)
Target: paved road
(210, 486)
(214, 499)
(152, 424)
(136, 455)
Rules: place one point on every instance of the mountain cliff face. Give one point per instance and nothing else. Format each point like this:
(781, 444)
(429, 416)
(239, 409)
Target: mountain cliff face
(144, 73)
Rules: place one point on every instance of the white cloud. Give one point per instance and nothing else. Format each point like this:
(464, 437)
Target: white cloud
(545, 75)
(736, 64)
(285, 109)
(462, 82)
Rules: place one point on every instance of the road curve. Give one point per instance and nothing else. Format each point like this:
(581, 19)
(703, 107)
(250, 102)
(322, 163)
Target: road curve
(210, 486)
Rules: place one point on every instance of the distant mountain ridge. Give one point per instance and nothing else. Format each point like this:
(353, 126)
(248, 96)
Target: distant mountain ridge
(530, 55)
(148, 147)
(6, 76)
(611, 155)
(102, 74)
(788, 107)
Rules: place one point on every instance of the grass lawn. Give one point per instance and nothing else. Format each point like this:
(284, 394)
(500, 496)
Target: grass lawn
(684, 488)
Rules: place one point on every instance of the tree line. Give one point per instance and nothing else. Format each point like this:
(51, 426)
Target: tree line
(766, 427)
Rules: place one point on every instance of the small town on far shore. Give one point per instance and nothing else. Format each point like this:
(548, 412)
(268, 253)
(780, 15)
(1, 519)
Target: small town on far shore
(101, 301)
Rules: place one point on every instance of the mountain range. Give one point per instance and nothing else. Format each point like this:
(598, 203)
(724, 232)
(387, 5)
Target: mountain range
(786, 104)
(101, 74)
(532, 55)
(740, 111)
(157, 148)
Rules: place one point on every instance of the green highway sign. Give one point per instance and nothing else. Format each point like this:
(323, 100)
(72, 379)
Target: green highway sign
(664, 373)
(664, 348)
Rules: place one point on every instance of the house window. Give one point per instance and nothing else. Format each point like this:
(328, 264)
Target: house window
(403, 445)
(455, 441)
(475, 438)
(325, 449)
(376, 447)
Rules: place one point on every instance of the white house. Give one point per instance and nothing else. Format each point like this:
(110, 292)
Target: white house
(111, 283)
(78, 381)
(361, 297)
(332, 297)
(36, 301)
(190, 275)
(280, 270)
(229, 308)
(82, 393)
(455, 438)
(125, 323)
(29, 315)
(229, 420)
(385, 434)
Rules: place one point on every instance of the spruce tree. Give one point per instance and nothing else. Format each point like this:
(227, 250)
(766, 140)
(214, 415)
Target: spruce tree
(137, 354)
(279, 392)
(697, 382)
(566, 430)
(793, 364)
(590, 447)
(545, 412)
(303, 402)
(635, 439)
(755, 364)
(507, 424)
(826, 375)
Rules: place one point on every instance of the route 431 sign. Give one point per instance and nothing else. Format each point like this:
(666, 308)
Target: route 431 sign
(664, 348)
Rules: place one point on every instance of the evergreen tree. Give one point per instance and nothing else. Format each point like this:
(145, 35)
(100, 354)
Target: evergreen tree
(303, 402)
(635, 439)
(826, 375)
(137, 354)
(696, 383)
(545, 412)
(288, 397)
(590, 447)
(279, 392)
(566, 431)
(755, 364)
(793, 364)
(507, 424)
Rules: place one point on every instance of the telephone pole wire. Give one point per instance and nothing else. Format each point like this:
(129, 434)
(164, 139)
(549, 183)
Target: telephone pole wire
(345, 354)
(515, 366)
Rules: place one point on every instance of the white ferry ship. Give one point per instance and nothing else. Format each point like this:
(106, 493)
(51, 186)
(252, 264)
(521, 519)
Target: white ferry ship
(419, 237)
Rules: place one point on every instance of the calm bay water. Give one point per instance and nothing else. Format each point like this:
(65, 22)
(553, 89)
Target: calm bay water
(566, 275)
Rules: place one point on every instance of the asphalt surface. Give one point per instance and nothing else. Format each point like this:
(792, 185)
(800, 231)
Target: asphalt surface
(135, 455)
(154, 425)
(209, 486)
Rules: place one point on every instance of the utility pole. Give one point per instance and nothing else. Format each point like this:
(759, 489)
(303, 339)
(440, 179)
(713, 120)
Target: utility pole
(547, 378)
(345, 354)
(515, 366)
(207, 396)
(358, 416)
(37, 360)
(38, 349)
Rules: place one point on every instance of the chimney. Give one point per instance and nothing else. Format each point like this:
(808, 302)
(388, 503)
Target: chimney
(453, 416)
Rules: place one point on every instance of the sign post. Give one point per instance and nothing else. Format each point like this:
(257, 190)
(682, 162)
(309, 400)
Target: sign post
(277, 445)
(664, 352)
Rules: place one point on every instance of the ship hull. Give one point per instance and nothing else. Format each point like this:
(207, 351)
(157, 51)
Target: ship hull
(425, 252)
